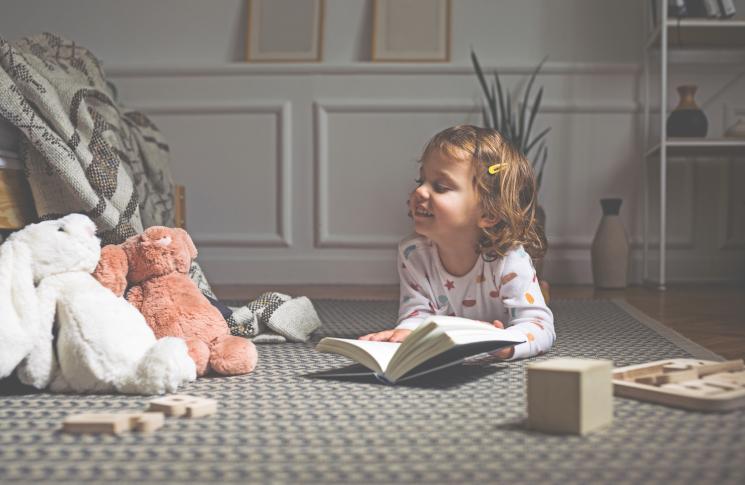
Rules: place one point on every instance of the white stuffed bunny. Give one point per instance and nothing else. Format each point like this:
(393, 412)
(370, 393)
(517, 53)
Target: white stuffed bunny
(103, 344)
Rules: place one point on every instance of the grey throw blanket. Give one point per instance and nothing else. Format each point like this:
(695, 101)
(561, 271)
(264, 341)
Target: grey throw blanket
(83, 152)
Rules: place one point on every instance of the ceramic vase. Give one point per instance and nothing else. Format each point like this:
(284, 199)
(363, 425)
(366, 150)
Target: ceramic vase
(610, 248)
(687, 120)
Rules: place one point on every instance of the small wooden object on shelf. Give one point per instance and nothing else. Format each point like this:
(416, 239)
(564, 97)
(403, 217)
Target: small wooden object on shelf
(700, 385)
(569, 395)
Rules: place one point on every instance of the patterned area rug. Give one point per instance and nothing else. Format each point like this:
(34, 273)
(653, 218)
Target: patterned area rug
(464, 425)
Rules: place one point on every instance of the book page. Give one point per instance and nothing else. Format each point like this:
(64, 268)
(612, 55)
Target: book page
(362, 351)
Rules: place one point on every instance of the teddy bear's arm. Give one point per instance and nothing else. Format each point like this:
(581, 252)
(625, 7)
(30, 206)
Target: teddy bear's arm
(40, 367)
(135, 297)
(112, 268)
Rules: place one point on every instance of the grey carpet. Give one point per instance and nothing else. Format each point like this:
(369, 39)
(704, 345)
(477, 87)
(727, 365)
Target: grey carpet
(458, 426)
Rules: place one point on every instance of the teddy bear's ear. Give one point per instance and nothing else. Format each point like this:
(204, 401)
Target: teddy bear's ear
(112, 269)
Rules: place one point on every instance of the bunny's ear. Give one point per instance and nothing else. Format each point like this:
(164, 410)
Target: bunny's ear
(112, 269)
(19, 321)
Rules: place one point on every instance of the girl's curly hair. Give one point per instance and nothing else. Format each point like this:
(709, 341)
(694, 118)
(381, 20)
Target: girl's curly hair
(508, 196)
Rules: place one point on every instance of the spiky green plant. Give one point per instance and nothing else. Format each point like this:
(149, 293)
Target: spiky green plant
(515, 121)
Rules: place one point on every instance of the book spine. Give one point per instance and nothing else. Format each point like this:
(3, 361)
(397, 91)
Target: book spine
(712, 8)
(382, 378)
(727, 8)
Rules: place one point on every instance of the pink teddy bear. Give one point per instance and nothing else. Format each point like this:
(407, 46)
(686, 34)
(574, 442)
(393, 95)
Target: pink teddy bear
(155, 266)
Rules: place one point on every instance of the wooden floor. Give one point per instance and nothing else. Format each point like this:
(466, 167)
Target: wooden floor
(710, 315)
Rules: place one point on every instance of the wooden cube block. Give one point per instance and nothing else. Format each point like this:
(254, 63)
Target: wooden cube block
(569, 395)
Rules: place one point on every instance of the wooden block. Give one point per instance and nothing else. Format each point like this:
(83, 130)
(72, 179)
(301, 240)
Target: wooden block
(649, 380)
(97, 423)
(726, 366)
(204, 407)
(570, 395)
(184, 405)
(147, 422)
(675, 366)
(633, 374)
(677, 376)
(174, 405)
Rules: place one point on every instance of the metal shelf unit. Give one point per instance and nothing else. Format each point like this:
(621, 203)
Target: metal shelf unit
(715, 34)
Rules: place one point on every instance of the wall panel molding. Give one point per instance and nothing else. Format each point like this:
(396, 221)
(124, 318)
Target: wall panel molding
(282, 237)
(323, 238)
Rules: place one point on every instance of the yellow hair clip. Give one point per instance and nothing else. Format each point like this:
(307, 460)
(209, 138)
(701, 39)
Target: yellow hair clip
(496, 168)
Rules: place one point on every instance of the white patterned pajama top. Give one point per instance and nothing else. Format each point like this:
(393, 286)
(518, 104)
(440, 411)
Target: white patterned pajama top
(505, 289)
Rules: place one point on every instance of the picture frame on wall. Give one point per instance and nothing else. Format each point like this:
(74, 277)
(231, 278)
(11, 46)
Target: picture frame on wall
(411, 31)
(284, 31)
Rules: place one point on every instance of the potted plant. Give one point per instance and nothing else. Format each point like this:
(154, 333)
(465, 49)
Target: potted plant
(514, 120)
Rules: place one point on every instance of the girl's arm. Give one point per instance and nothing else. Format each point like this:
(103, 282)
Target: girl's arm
(414, 306)
(521, 295)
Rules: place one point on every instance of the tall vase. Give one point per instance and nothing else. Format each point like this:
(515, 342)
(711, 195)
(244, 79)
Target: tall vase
(687, 120)
(610, 248)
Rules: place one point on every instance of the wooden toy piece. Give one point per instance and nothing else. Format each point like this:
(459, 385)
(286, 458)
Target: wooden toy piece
(174, 405)
(184, 405)
(669, 377)
(97, 423)
(716, 386)
(147, 422)
(569, 395)
(204, 407)
(715, 368)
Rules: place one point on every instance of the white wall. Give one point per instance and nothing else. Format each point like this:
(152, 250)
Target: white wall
(299, 173)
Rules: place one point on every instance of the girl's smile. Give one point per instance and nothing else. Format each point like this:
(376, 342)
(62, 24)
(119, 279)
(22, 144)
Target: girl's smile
(445, 205)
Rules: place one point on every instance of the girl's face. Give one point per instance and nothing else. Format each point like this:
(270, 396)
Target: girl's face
(445, 205)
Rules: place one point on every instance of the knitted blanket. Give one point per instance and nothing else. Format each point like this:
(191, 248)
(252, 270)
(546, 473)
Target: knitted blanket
(84, 152)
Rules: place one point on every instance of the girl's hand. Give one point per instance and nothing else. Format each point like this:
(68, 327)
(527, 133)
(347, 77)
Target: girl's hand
(395, 335)
(503, 354)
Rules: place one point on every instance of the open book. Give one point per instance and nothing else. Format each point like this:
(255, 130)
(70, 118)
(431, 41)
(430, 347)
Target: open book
(437, 343)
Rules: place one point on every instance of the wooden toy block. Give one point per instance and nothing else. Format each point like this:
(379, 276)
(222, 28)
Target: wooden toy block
(719, 367)
(699, 385)
(204, 407)
(147, 422)
(97, 423)
(184, 405)
(569, 395)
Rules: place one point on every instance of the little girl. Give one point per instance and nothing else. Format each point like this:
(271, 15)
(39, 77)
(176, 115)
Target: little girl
(474, 217)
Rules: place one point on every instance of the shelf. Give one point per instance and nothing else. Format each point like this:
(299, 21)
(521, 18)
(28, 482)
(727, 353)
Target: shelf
(701, 147)
(701, 34)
